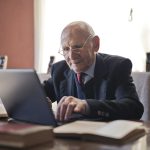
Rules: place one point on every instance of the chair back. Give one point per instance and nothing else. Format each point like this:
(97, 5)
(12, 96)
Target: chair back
(3, 62)
(142, 83)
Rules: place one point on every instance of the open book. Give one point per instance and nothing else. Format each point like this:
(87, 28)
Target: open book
(119, 131)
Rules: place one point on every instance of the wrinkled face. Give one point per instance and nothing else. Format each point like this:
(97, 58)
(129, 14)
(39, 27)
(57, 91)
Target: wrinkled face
(78, 51)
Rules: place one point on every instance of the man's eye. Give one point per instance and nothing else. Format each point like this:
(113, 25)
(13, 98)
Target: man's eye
(66, 49)
(76, 46)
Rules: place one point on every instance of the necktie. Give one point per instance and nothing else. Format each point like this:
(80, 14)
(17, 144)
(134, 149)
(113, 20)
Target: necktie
(79, 77)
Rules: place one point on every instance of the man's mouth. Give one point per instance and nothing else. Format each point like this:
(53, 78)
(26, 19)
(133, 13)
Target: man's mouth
(75, 62)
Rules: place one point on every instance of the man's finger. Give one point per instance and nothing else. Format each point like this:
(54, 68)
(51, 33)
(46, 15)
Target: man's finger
(69, 110)
(59, 107)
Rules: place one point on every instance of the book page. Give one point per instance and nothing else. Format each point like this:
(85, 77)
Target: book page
(3, 112)
(118, 129)
(79, 127)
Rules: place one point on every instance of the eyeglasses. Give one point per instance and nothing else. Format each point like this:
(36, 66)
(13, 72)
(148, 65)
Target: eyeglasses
(75, 50)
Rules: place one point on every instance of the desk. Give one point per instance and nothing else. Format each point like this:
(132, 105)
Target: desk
(69, 144)
(142, 143)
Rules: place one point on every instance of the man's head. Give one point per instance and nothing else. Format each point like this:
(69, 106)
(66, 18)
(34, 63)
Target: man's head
(79, 45)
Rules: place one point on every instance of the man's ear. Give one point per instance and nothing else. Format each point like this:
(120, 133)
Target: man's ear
(96, 43)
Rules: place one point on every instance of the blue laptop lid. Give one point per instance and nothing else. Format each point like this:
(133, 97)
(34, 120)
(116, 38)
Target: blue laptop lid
(24, 98)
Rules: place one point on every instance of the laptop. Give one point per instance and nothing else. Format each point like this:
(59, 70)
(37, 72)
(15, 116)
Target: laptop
(23, 97)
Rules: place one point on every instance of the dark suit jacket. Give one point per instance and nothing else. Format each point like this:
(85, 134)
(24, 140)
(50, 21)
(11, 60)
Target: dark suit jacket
(110, 95)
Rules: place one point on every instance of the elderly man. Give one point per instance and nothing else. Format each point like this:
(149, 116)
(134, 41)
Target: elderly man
(96, 85)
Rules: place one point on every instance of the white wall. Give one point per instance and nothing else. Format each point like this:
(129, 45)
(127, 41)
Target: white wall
(109, 19)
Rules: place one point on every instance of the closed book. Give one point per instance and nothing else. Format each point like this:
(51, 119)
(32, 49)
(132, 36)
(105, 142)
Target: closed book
(114, 132)
(21, 135)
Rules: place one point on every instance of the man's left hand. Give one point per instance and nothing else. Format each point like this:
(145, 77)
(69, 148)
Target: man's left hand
(68, 105)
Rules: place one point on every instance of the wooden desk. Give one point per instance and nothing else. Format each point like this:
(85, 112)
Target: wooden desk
(142, 143)
(68, 144)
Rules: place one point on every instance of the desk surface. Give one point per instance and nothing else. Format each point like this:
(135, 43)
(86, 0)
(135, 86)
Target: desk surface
(142, 143)
(68, 144)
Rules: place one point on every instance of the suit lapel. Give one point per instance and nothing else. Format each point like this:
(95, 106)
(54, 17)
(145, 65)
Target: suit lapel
(99, 77)
(100, 67)
(66, 86)
(70, 83)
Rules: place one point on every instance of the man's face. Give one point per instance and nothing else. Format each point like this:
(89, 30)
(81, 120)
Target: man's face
(78, 51)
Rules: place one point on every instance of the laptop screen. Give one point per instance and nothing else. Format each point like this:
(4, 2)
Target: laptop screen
(23, 97)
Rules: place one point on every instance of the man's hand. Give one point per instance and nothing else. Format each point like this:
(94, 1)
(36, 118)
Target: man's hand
(68, 105)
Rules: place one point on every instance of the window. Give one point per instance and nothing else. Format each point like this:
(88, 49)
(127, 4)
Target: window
(109, 19)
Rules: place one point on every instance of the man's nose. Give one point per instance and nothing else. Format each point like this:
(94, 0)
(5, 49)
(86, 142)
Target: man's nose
(71, 54)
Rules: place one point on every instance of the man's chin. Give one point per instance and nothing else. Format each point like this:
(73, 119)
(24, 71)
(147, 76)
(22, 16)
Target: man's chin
(75, 68)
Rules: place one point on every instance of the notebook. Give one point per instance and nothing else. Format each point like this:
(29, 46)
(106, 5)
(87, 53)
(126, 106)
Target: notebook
(24, 98)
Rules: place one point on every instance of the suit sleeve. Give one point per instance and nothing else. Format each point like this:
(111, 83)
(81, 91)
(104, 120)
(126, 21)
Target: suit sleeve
(126, 104)
(49, 87)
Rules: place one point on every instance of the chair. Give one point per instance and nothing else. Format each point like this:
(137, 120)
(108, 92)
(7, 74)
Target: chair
(142, 83)
(3, 62)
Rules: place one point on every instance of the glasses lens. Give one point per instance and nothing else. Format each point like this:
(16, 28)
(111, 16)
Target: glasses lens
(75, 50)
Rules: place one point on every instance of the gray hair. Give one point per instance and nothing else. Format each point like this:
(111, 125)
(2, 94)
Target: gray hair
(81, 25)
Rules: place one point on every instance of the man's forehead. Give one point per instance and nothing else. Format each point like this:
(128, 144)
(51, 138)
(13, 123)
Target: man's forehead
(73, 33)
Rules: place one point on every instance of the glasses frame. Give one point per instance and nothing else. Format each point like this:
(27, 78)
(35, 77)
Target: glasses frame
(74, 50)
